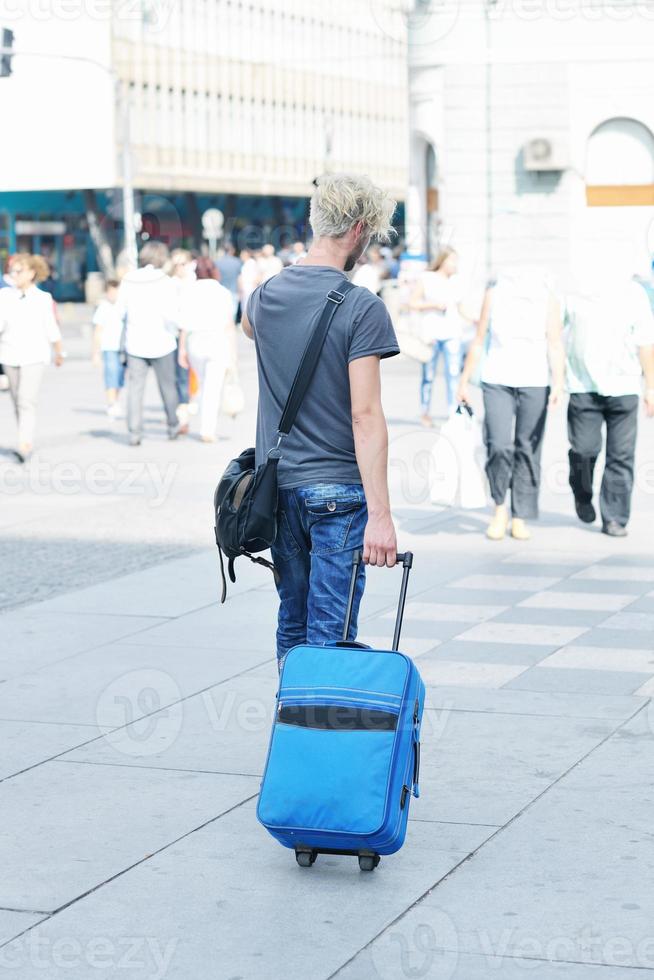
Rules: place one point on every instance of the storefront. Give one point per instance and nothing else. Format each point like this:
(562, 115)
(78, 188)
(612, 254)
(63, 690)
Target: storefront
(55, 224)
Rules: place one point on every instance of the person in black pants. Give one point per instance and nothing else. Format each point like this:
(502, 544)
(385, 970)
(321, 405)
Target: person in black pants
(610, 342)
(520, 346)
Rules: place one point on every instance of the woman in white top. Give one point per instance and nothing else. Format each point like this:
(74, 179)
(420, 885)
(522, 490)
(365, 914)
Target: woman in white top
(520, 337)
(207, 340)
(29, 333)
(437, 297)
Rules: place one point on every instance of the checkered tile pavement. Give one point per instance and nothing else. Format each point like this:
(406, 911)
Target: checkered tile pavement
(541, 622)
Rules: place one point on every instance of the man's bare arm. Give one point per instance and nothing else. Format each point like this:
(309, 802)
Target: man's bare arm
(246, 326)
(371, 448)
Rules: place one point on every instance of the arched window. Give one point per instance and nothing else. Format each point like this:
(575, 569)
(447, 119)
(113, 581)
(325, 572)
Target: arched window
(620, 165)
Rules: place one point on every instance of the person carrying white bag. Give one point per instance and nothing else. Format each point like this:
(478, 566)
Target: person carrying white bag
(457, 472)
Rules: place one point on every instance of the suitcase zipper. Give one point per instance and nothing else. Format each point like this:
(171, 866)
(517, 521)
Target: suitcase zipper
(350, 690)
(345, 702)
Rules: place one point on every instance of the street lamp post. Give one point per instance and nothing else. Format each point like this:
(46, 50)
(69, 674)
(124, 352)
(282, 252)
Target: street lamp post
(123, 107)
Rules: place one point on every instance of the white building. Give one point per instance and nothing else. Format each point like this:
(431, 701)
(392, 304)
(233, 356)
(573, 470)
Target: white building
(531, 131)
(231, 104)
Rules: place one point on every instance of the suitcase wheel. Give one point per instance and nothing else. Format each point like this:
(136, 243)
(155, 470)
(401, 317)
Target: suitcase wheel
(368, 862)
(305, 858)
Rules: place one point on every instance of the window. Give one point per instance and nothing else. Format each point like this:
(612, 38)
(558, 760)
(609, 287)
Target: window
(620, 165)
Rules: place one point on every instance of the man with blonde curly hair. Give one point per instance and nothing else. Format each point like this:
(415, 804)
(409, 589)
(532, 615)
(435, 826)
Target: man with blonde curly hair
(333, 470)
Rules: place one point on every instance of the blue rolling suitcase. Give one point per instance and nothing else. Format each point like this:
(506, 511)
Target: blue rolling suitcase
(344, 753)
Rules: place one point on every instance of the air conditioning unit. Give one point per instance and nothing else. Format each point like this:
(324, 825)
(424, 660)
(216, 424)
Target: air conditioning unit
(544, 154)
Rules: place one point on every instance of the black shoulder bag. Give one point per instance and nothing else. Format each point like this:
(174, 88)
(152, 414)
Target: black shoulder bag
(245, 500)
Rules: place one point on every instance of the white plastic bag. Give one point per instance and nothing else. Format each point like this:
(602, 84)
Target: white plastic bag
(458, 455)
(233, 399)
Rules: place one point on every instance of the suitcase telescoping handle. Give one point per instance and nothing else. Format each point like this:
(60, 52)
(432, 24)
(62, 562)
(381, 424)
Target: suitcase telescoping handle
(406, 560)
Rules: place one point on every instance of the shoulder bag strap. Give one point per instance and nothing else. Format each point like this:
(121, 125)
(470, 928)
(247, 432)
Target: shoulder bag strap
(310, 356)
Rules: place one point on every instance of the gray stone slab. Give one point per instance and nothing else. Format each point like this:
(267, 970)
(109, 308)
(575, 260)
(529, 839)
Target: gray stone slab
(414, 646)
(114, 685)
(530, 633)
(610, 572)
(591, 601)
(68, 827)
(436, 672)
(225, 729)
(438, 630)
(26, 744)
(578, 681)
(572, 876)
(32, 639)
(644, 604)
(509, 583)
(451, 612)
(374, 603)
(546, 618)
(602, 658)
(631, 560)
(476, 597)
(223, 627)
(413, 943)
(169, 589)
(484, 768)
(489, 653)
(599, 587)
(632, 621)
(554, 566)
(541, 557)
(549, 704)
(217, 903)
(603, 636)
(13, 923)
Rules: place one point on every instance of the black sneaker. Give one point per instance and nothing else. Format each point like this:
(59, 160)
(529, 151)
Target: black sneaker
(614, 530)
(585, 511)
(174, 431)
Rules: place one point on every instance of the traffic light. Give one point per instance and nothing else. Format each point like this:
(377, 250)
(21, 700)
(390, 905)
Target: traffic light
(6, 52)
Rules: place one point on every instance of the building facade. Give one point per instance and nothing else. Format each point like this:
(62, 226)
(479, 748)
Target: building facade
(531, 132)
(198, 103)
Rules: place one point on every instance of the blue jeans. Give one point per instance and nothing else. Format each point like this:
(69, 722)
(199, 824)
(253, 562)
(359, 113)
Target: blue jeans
(451, 351)
(319, 528)
(114, 370)
(181, 380)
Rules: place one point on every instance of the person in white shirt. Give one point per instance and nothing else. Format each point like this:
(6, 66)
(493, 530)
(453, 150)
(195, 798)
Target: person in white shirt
(610, 346)
(437, 297)
(207, 340)
(181, 271)
(249, 278)
(519, 338)
(269, 263)
(148, 299)
(29, 335)
(109, 323)
(369, 272)
(298, 251)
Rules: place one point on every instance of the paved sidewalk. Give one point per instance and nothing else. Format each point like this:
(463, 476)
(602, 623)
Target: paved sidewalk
(135, 714)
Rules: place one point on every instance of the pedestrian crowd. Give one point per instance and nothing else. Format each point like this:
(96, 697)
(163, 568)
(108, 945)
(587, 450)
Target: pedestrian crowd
(177, 314)
(527, 345)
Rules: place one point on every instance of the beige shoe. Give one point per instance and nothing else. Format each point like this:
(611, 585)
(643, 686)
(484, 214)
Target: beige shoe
(498, 526)
(519, 530)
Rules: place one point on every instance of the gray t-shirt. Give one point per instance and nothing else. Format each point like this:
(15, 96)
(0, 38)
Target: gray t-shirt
(282, 312)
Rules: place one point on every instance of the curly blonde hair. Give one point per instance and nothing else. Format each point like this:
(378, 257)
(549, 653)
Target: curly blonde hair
(340, 201)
